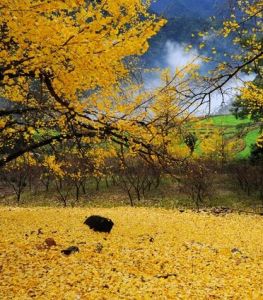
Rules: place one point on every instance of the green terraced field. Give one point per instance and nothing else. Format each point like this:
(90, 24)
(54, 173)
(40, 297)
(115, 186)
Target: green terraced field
(232, 128)
(227, 120)
(249, 139)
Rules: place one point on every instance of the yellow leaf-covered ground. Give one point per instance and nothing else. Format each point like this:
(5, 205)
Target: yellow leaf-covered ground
(150, 254)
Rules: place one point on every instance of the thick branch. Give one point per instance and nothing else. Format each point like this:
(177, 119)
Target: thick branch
(28, 148)
(17, 111)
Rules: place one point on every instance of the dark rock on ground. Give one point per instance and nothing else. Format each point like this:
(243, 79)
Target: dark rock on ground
(100, 224)
(39, 231)
(70, 250)
(50, 242)
(106, 286)
(236, 250)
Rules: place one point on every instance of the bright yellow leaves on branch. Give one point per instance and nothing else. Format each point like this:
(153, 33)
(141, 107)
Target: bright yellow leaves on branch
(53, 166)
(244, 29)
(67, 62)
(63, 65)
(81, 43)
(252, 97)
(98, 156)
(230, 26)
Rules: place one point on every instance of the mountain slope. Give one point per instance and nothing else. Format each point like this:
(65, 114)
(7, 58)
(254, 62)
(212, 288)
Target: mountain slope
(175, 8)
(184, 18)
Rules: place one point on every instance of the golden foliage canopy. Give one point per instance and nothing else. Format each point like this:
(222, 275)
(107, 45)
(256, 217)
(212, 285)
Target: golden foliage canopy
(58, 59)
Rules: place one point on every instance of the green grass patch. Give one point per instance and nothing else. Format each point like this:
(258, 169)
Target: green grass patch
(226, 120)
(249, 140)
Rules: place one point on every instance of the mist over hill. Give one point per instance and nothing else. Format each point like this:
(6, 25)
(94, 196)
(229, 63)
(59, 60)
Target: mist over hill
(184, 18)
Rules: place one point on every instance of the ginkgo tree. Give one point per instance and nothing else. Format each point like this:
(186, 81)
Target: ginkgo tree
(64, 75)
(54, 56)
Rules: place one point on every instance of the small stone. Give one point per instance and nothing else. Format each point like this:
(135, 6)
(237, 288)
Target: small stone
(70, 250)
(105, 286)
(236, 250)
(50, 242)
(39, 231)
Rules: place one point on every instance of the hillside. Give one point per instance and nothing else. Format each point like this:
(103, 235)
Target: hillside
(184, 18)
(173, 8)
(232, 128)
